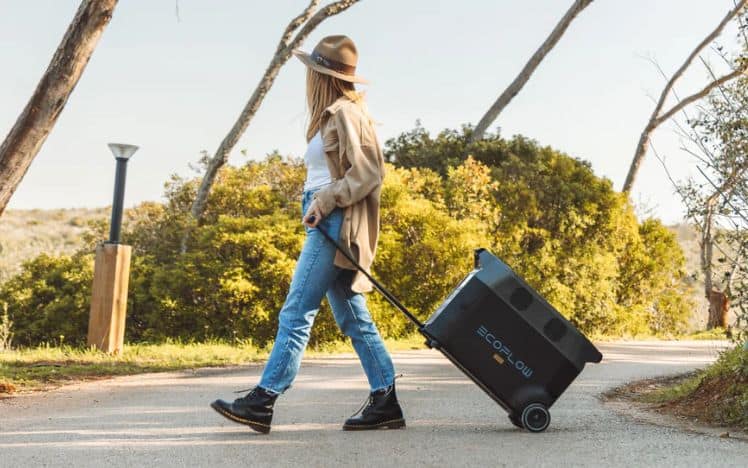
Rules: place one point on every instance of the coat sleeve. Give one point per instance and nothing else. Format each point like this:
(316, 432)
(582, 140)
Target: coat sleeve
(364, 173)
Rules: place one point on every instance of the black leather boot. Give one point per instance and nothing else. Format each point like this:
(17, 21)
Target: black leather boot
(381, 410)
(255, 409)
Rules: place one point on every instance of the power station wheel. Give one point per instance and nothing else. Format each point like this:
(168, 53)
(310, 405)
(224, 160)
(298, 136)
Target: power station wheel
(516, 421)
(535, 417)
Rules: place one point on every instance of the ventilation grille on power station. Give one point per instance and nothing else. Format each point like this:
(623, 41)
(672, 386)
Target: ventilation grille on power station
(521, 298)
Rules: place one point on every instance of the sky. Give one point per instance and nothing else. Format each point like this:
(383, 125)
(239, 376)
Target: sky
(174, 83)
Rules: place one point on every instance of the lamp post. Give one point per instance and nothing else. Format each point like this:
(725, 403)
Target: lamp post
(106, 323)
(122, 153)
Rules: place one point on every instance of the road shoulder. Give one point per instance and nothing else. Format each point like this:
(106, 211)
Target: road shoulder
(624, 400)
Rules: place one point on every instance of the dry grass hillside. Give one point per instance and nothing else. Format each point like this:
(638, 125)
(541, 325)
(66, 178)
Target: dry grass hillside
(24, 234)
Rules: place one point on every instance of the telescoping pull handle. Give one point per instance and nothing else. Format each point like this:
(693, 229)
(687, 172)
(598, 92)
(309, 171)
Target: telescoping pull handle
(387, 295)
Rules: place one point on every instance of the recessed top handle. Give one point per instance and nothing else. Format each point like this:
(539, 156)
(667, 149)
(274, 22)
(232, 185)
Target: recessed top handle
(476, 257)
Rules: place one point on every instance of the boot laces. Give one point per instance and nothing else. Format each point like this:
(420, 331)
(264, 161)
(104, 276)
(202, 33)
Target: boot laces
(251, 394)
(369, 402)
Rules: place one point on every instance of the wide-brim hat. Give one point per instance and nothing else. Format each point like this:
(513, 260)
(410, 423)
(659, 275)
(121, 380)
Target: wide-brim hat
(335, 56)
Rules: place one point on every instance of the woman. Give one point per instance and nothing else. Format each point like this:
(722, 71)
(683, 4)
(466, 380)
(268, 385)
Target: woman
(341, 193)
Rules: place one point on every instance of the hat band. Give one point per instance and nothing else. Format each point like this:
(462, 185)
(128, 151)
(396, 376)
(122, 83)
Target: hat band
(332, 64)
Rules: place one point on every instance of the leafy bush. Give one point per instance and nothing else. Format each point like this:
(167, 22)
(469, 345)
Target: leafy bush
(562, 228)
(49, 300)
(422, 254)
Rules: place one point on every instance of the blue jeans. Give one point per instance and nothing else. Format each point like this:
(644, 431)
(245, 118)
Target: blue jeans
(314, 277)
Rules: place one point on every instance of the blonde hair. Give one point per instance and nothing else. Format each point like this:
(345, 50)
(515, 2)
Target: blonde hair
(321, 91)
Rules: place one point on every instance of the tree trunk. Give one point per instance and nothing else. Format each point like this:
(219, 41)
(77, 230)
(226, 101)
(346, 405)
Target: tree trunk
(706, 247)
(656, 119)
(719, 302)
(36, 121)
(281, 56)
(719, 306)
(524, 76)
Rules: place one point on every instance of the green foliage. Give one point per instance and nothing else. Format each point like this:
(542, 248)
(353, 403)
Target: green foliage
(557, 224)
(561, 227)
(230, 284)
(49, 300)
(232, 280)
(422, 254)
(661, 276)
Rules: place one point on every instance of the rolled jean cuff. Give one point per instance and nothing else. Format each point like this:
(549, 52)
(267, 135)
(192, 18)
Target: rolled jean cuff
(382, 388)
(270, 391)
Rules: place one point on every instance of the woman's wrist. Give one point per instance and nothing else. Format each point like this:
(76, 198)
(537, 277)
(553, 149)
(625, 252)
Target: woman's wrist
(325, 199)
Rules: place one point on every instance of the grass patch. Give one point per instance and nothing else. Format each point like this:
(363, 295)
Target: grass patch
(666, 390)
(47, 366)
(717, 395)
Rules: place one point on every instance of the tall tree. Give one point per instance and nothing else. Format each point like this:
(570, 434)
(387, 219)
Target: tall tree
(310, 20)
(717, 203)
(524, 76)
(658, 116)
(32, 127)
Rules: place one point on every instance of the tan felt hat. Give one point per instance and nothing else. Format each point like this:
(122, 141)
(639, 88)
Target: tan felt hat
(335, 56)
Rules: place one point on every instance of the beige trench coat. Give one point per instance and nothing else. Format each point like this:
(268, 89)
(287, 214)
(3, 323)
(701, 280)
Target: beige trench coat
(356, 165)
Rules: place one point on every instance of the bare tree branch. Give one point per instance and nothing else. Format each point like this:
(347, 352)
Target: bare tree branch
(695, 155)
(32, 127)
(330, 10)
(741, 23)
(677, 187)
(696, 96)
(683, 133)
(727, 186)
(524, 76)
(641, 147)
(714, 77)
(675, 93)
(294, 25)
(696, 141)
(685, 199)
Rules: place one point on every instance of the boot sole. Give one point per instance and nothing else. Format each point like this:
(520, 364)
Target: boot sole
(391, 424)
(257, 426)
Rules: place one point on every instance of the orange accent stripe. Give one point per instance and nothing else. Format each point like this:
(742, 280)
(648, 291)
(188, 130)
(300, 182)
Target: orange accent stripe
(498, 358)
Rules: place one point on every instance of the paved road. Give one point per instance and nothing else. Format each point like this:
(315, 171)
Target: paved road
(164, 420)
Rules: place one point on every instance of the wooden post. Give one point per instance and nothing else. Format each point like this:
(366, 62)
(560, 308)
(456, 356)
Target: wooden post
(106, 324)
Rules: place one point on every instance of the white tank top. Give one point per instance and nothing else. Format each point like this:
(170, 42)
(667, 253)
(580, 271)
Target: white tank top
(317, 172)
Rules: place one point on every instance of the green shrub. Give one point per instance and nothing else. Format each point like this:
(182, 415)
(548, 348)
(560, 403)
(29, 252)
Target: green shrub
(565, 230)
(422, 254)
(49, 300)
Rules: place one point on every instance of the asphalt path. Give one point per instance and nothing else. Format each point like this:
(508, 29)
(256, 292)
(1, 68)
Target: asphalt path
(164, 420)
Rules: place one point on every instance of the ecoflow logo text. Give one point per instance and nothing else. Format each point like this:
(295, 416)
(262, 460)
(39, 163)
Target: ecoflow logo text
(504, 350)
